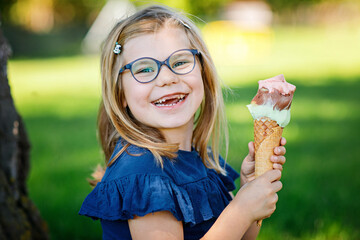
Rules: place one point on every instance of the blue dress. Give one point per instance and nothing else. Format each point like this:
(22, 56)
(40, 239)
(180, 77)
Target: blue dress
(136, 185)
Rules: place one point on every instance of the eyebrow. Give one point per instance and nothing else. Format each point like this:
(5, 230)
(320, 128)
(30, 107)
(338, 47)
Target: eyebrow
(127, 62)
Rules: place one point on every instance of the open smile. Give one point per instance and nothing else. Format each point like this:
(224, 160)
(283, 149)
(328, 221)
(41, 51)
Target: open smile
(170, 100)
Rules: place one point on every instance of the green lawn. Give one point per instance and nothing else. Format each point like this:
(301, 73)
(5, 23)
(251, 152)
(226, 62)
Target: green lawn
(58, 99)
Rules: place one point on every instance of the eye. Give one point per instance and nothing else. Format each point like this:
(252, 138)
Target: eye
(180, 63)
(183, 63)
(144, 70)
(144, 66)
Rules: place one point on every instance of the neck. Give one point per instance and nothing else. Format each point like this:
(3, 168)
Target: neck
(181, 136)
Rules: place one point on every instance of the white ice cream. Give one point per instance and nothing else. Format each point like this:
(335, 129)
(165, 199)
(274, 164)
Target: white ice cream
(267, 110)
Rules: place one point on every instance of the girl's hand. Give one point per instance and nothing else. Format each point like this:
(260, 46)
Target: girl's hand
(247, 173)
(257, 199)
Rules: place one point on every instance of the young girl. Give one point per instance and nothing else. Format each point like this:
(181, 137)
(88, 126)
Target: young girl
(161, 123)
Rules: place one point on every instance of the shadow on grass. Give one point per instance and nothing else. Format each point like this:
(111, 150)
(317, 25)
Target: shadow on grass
(59, 42)
(321, 184)
(64, 154)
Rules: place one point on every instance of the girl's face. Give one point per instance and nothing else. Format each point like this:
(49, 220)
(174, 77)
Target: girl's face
(170, 101)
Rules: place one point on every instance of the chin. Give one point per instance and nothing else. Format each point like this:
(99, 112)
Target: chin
(173, 125)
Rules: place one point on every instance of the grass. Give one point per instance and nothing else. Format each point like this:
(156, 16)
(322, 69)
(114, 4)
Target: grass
(58, 99)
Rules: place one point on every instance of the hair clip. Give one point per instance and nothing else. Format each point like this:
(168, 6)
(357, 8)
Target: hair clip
(117, 49)
(184, 24)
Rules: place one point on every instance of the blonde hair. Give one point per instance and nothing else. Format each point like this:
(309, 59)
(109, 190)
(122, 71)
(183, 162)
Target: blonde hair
(115, 120)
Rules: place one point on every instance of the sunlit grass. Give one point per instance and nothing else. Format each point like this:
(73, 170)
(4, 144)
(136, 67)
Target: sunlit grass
(44, 78)
(58, 99)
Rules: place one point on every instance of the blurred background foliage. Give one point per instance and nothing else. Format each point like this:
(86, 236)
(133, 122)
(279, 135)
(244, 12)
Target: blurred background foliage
(57, 27)
(314, 43)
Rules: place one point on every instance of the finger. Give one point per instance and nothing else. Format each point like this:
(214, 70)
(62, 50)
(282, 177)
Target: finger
(277, 166)
(276, 198)
(279, 150)
(272, 175)
(251, 147)
(277, 186)
(282, 141)
(278, 159)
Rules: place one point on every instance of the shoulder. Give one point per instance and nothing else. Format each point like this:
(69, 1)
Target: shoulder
(230, 173)
(133, 161)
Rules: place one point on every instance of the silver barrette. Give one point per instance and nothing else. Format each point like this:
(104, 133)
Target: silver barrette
(184, 24)
(117, 49)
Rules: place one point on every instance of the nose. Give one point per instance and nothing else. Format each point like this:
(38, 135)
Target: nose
(166, 76)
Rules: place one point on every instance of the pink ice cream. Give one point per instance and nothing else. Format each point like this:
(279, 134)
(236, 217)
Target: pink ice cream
(277, 83)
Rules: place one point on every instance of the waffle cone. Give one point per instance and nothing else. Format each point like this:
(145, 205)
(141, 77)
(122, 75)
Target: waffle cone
(267, 136)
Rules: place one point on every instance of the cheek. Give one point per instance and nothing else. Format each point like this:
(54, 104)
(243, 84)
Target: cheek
(128, 91)
(135, 94)
(199, 83)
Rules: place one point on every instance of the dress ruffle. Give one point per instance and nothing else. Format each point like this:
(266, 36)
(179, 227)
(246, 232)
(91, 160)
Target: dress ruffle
(140, 194)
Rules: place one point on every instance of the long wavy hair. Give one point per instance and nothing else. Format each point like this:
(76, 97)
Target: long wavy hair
(116, 121)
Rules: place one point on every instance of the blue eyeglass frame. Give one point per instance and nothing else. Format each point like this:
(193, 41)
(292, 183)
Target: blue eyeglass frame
(195, 52)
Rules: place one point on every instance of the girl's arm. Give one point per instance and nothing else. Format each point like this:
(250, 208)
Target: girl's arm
(156, 226)
(253, 231)
(254, 201)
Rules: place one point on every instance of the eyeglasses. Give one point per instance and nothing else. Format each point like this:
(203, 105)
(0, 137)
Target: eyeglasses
(146, 69)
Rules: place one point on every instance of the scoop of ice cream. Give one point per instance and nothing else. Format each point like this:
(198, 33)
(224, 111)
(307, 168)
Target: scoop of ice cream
(277, 83)
(260, 111)
(275, 91)
(276, 98)
(273, 100)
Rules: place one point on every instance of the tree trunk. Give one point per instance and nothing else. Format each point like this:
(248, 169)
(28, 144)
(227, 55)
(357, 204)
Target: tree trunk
(19, 218)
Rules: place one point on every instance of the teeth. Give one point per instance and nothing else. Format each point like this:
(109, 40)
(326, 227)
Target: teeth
(160, 101)
(165, 105)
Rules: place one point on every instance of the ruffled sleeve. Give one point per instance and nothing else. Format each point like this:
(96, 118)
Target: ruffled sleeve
(139, 195)
(121, 199)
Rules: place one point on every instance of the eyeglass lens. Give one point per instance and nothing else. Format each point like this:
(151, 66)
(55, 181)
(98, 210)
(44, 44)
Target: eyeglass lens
(146, 69)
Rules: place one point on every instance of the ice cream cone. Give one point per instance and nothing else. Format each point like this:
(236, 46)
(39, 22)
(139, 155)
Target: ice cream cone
(270, 109)
(267, 136)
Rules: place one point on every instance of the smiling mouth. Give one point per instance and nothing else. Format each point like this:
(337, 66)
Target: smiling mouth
(169, 101)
